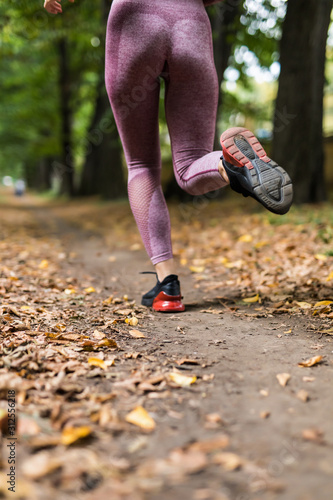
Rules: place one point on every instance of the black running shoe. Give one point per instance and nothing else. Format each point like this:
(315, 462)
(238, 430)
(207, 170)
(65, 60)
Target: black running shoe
(165, 296)
(252, 173)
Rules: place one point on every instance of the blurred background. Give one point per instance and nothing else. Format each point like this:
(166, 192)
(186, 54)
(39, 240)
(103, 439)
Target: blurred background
(57, 133)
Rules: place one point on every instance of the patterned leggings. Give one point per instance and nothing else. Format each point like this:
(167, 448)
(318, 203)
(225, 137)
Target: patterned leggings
(148, 39)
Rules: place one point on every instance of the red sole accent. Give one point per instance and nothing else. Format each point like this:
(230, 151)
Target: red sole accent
(168, 303)
(232, 153)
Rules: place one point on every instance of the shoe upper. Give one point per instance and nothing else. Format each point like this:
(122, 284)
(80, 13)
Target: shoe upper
(170, 286)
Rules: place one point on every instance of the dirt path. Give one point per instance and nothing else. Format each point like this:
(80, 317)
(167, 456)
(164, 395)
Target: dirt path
(280, 446)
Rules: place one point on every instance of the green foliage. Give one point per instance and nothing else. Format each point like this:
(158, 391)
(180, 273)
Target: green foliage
(30, 123)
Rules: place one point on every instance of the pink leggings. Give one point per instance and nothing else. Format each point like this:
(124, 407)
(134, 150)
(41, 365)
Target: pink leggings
(148, 39)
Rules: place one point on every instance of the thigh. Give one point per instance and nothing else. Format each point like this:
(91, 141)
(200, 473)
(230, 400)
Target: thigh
(192, 90)
(135, 55)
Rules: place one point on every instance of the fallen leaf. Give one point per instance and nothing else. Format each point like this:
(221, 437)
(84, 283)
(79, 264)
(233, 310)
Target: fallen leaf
(71, 434)
(315, 435)
(304, 305)
(182, 380)
(311, 362)
(97, 362)
(216, 443)
(40, 464)
(320, 256)
(140, 417)
(108, 343)
(123, 312)
(283, 378)
(137, 334)
(308, 379)
(303, 395)
(90, 289)
(44, 264)
(330, 276)
(229, 461)
(265, 414)
(323, 303)
(251, 300)
(245, 238)
(98, 335)
(197, 269)
(187, 361)
(133, 321)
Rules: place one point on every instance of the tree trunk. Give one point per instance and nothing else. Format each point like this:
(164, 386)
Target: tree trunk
(102, 172)
(298, 121)
(65, 169)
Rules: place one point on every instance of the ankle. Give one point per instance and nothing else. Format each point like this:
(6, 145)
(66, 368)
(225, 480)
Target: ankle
(223, 173)
(164, 269)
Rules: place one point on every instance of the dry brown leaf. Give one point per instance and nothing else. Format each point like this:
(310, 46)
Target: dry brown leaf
(311, 362)
(229, 461)
(98, 335)
(40, 464)
(217, 443)
(265, 414)
(124, 312)
(137, 334)
(315, 435)
(187, 361)
(283, 378)
(303, 395)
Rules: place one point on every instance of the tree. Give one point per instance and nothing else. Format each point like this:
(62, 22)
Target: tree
(102, 170)
(298, 123)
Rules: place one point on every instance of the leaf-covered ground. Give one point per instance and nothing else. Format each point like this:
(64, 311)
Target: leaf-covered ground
(231, 400)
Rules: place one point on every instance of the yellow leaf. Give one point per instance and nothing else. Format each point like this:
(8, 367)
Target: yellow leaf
(140, 417)
(137, 334)
(320, 256)
(251, 300)
(182, 380)
(304, 305)
(330, 276)
(108, 301)
(97, 362)
(197, 269)
(283, 378)
(311, 362)
(328, 332)
(69, 291)
(90, 289)
(133, 321)
(60, 326)
(323, 303)
(245, 238)
(261, 244)
(183, 261)
(72, 434)
(108, 343)
(44, 264)
(26, 308)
